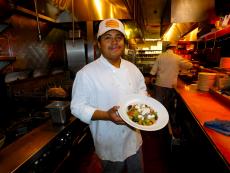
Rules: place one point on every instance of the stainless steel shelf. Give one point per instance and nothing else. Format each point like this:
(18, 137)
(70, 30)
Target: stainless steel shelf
(5, 61)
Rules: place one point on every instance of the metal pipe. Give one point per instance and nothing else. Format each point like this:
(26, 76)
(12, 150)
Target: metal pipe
(37, 18)
(73, 19)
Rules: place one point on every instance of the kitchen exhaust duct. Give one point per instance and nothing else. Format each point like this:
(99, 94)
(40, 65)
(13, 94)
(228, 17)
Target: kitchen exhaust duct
(75, 54)
(184, 11)
(60, 11)
(75, 48)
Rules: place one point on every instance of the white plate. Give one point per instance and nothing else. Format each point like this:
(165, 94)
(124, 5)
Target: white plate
(162, 113)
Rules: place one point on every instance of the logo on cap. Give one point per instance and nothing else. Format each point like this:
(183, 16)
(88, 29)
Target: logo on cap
(112, 24)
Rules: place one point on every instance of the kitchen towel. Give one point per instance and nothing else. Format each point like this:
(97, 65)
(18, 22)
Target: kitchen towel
(221, 126)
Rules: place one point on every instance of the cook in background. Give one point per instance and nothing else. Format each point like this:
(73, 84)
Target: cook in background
(97, 89)
(165, 70)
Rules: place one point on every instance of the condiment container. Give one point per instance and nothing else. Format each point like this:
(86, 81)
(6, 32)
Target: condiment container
(59, 111)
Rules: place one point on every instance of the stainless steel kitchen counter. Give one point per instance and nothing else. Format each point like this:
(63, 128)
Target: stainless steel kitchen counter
(15, 155)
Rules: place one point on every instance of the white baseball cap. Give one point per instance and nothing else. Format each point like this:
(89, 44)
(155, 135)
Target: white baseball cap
(110, 24)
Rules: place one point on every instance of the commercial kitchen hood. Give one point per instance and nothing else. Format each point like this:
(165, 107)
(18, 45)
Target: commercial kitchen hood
(60, 11)
(152, 18)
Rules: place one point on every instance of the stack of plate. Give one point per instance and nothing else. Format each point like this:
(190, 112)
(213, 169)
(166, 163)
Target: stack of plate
(205, 80)
(225, 62)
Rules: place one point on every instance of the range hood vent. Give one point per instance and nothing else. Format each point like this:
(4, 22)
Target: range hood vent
(185, 11)
(57, 12)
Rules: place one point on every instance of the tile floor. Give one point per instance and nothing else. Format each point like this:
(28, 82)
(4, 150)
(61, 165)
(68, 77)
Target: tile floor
(158, 157)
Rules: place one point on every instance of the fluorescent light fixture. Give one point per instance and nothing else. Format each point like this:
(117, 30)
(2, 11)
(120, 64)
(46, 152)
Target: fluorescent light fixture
(152, 39)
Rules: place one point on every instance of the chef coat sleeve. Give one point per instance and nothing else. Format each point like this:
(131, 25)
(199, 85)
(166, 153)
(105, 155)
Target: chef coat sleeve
(185, 64)
(154, 68)
(80, 106)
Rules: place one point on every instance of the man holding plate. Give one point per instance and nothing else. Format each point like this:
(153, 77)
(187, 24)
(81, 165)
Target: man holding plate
(97, 90)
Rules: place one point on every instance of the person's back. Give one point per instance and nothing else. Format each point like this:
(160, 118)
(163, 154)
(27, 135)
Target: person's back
(167, 67)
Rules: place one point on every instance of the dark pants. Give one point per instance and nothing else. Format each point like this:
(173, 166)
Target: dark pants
(133, 164)
(167, 97)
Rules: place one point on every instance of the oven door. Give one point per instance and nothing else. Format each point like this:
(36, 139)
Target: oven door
(82, 147)
(60, 155)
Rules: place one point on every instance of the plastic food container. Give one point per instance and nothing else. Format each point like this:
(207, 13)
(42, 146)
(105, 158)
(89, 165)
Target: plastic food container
(59, 111)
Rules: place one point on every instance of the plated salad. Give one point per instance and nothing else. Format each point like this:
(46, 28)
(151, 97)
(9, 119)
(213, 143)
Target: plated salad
(142, 114)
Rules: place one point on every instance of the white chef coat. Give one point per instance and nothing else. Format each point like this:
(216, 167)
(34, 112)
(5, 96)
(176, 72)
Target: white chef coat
(167, 67)
(100, 85)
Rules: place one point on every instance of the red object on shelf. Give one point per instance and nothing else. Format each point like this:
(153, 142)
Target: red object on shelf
(216, 34)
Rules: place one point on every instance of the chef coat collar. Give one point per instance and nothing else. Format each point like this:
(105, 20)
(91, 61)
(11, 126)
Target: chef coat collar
(109, 65)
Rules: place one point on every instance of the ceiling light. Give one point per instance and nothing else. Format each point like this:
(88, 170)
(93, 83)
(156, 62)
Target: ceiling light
(152, 39)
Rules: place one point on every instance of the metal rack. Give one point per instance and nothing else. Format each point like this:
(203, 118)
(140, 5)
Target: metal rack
(145, 59)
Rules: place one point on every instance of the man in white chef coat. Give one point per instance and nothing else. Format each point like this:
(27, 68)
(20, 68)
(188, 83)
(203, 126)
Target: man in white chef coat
(97, 90)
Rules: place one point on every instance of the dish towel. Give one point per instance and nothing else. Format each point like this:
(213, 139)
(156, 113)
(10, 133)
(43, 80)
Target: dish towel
(221, 126)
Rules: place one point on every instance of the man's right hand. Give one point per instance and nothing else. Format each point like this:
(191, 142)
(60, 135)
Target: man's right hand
(114, 115)
(110, 115)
